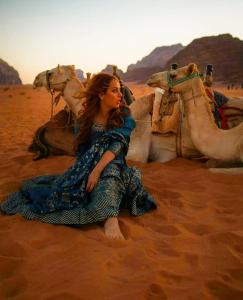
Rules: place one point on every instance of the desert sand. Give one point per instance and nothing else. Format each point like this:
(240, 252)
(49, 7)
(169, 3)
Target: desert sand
(191, 247)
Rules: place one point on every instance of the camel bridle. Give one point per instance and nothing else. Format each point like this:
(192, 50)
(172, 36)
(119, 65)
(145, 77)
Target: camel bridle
(51, 86)
(173, 82)
(51, 89)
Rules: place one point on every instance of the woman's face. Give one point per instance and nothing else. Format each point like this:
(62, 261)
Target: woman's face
(113, 96)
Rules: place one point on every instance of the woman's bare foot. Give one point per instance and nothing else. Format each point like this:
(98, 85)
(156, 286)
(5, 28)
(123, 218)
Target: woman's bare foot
(112, 229)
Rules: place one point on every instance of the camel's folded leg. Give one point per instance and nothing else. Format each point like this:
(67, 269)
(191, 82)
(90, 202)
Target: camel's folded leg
(229, 171)
(213, 163)
(50, 140)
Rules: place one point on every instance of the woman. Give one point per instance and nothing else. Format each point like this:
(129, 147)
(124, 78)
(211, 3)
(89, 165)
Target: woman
(99, 183)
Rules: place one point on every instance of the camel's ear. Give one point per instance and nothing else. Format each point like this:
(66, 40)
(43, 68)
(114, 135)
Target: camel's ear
(73, 66)
(192, 68)
(58, 68)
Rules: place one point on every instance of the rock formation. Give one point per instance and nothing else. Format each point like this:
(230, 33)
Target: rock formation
(224, 52)
(8, 75)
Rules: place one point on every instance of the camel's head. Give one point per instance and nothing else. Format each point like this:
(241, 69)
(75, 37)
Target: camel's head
(55, 78)
(174, 80)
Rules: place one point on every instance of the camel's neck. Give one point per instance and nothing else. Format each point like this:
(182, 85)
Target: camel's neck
(72, 96)
(197, 104)
(142, 107)
(206, 136)
(194, 88)
(198, 113)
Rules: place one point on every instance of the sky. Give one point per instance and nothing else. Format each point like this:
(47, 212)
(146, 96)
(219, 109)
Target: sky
(37, 35)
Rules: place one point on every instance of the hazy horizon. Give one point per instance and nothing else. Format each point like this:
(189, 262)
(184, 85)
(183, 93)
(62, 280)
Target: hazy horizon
(36, 36)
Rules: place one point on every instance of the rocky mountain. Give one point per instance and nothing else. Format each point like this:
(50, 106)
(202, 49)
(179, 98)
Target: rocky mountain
(154, 62)
(157, 58)
(224, 52)
(140, 75)
(8, 75)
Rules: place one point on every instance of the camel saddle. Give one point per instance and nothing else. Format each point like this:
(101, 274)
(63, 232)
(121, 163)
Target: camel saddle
(166, 113)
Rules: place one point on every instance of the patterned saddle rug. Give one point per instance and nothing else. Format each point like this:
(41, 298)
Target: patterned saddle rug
(166, 113)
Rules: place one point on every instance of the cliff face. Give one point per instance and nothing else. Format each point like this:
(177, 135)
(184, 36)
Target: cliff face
(140, 75)
(157, 58)
(151, 63)
(8, 75)
(224, 52)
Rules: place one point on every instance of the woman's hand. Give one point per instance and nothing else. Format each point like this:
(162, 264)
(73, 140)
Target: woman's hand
(94, 176)
(92, 180)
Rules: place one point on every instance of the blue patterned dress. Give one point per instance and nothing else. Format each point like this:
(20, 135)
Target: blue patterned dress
(62, 199)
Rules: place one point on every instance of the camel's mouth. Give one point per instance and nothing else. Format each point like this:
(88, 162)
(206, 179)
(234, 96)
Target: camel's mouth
(157, 85)
(154, 84)
(37, 83)
(151, 84)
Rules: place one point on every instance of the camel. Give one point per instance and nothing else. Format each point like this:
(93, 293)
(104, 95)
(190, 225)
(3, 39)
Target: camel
(224, 145)
(144, 146)
(63, 79)
(56, 135)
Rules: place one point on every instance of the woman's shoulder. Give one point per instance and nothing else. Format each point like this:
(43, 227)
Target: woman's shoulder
(129, 121)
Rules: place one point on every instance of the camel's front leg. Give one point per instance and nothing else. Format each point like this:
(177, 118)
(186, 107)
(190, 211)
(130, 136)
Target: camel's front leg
(163, 148)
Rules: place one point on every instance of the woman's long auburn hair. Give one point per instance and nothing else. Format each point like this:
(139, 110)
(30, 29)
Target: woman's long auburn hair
(97, 85)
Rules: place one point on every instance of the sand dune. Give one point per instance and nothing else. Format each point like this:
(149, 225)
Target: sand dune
(191, 247)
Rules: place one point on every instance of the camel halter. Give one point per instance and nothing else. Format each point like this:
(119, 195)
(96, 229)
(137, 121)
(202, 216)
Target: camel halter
(52, 91)
(172, 82)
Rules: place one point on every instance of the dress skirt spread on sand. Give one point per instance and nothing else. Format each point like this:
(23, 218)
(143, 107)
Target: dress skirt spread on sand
(62, 199)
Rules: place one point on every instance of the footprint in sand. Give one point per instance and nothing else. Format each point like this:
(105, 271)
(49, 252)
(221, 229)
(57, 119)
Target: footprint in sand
(155, 292)
(192, 259)
(125, 229)
(176, 203)
(236, 274)
(171, 198)
(8, 267)
(229, 207)
(197, 229)
(224, 291)
(230, 239)
(13, 287)
(226, 278)
(166, 229)
(165, 248)
(22, 159)
(11, 249)
(172, 278)
(64, 295)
